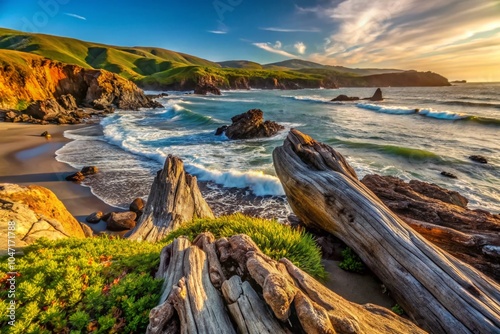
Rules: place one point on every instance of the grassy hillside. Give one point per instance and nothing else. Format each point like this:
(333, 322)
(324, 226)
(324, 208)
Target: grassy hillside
(132, 63)
(156, 68)
(241, 64)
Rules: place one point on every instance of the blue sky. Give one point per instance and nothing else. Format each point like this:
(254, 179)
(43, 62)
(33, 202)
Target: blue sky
(456, 38)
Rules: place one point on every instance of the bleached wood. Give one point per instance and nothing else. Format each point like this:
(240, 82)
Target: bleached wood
(439, 292)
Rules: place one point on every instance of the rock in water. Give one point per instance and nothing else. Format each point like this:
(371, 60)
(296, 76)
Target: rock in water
(479, 158)
(89, 170)
(94, 218)
(121, 221)
(36, 213)
(377, 96)
(448, 174)
(204, 89)
(251, 125)
(174, 199)
(76, 177)
(342, 98)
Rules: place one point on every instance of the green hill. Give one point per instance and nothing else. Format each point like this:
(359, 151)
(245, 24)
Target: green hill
(133, 63)
(241, 64)
(156, 68)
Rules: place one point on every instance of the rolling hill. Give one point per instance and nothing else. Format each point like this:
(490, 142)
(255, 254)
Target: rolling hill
(156, 68)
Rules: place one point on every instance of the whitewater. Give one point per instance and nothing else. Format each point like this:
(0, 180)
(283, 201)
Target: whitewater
(415, 133)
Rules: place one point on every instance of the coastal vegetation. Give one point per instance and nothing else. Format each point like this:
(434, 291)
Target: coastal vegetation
(107, 285)
(274, 239)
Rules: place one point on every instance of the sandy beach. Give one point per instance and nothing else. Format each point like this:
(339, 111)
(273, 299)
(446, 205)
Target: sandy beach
(27, 158)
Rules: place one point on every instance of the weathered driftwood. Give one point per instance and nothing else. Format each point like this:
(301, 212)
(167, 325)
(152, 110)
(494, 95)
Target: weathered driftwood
(442, 217)
(174, 199)
(261, 295)
(441, 293)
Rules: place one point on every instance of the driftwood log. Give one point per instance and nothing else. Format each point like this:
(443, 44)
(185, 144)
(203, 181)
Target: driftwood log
(442, 217)
(174, 199)
(230, 286)
(438, 291)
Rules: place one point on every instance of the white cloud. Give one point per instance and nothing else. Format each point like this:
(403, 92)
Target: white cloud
(76, 16)
(269, 48)
(277, 29)
(277, 45)
(300, 47)
(410, 34)
(219, 32)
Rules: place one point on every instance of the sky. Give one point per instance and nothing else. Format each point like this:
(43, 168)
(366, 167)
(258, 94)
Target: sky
(459, 39)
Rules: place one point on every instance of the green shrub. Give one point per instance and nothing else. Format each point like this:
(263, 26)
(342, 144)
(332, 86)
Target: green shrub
(274, 239)
(351, 262)
(22, 105)
(398, 309)
(78, 285)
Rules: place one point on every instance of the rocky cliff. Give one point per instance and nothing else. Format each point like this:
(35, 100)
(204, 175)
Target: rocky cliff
(27, 78)
(36, 213)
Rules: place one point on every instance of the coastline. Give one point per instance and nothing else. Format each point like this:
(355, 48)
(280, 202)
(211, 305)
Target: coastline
(29, 159)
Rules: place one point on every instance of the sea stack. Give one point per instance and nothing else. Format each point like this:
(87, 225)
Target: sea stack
(249, 125)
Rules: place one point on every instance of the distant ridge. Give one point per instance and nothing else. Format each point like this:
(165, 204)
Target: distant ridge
(161, 69)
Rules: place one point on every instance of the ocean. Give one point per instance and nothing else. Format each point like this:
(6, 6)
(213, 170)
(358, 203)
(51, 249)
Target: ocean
(415, 133)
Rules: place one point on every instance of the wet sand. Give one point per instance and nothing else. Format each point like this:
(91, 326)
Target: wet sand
(27, 158)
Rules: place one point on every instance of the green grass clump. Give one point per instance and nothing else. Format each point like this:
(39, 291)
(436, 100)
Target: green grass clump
(274, 239)
(398, 309)
(351, 262)
(82, 285)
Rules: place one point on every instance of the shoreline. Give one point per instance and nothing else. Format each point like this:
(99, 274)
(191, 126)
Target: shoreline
(29, 159)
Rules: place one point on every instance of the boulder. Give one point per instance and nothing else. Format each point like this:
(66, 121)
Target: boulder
(36, 213)
(47, 109)
(137, 205)
(442, 217)
(67, 101)
(76, 177)
(205, 88)
(479, 158)
(251, 125)
(121, 221)
(89, 170)
(106, 89)
(95, 217)
(342, 98)
(221, 130)
(89, 233)
(45, 134)
(12, 116)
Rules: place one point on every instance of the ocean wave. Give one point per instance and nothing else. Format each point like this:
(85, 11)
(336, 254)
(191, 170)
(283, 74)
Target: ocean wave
(260, 184)
(402, 151)
(307, 98)
(395, 110)
(472, 104)
(428, 112)
(227, 99)
(441, 114)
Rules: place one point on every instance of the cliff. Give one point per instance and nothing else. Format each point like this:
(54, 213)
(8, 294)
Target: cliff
(26, 78)
(36, 213)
